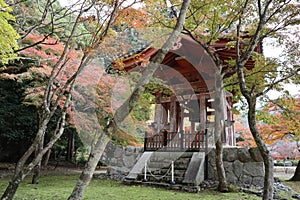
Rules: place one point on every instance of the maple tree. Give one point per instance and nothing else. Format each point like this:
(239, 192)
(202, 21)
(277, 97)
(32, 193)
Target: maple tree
(268, 24)
(60, 82)
(280, 119)
(281, 122)
(245, 138)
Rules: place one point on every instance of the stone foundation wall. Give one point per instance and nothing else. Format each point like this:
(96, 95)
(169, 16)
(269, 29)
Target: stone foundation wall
(119, 159)
(242, 166)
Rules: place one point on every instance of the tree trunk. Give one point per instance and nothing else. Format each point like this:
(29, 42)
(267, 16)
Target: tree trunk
(89, 168)
(296, 176)
(265, 153)
(36, 174)
(71, 144)
(18, 174)
(37, 168)
(21, 171)
(47, 157)
(12, 187)
(219, 131)
(123, 111)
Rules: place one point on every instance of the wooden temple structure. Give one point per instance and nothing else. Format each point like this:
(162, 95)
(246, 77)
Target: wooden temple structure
(184, 121)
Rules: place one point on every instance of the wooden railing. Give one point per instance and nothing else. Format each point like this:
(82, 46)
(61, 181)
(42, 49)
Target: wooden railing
(174, 141)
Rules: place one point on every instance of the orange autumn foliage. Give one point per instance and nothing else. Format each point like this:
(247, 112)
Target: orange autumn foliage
(285, 120)
(241, 128)
(133, 18)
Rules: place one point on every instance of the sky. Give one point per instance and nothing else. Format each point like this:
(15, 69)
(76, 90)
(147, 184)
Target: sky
(271, 51)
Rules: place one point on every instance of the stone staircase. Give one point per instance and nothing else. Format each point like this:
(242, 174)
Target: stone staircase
(188, 168)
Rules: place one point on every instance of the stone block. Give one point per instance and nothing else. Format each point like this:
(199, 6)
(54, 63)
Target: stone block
(245, 179)
(113, 162)
(129, 161)
(120, 162)
(258, 181)
(118, 152)
(228, 166)
(231, 178)
(254, 169)
(230, 154)
(255, 154)
(238, 168)
(212, 172)
(109, 150)
(118, 170)
(243, 155)
(129, 150)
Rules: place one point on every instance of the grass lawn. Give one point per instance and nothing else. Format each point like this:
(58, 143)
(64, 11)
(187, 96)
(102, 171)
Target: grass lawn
(294, 185)
(59, 187)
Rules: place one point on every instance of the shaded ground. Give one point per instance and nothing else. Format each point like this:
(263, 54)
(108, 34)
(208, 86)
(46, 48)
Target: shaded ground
(6, 169)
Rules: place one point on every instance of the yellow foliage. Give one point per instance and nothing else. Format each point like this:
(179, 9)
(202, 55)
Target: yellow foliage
(8, 36)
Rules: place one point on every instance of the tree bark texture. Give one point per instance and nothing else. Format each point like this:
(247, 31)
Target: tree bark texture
(265, 153)
(37, 168)
(47, 157)
(71, 147)
(268, 161)
(219, 131)
(89, 168)
(123, 111)
(296, 176)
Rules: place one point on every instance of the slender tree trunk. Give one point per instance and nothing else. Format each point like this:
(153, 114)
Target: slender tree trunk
(265, 153)
(47, 157)
(296, 176)
(219, 131)
(71, 143)
(18, 174)
(89, 168)
(123, 111)
(37, 168)
(21, 171)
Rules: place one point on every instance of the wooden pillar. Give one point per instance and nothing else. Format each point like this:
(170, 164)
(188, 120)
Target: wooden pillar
(226, 138)
(230, 128)
(192, 131)
(173, 114)
(202, 110)
(158, 116)
(181, 142)
(178, 116)
(164, 119)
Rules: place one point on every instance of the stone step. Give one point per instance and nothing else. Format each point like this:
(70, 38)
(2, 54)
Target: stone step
(160, 165)
(139, 166)
(166, 156)
(181, 163)
(165, 179)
